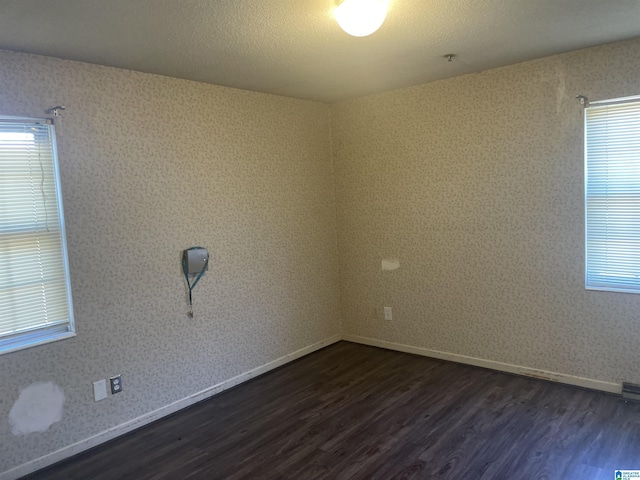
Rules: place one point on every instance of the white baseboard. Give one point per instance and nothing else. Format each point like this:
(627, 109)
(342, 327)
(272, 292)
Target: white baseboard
(147, 418)
(479, 362)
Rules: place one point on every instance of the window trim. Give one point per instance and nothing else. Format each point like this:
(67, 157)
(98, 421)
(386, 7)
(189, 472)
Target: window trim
(28, 338)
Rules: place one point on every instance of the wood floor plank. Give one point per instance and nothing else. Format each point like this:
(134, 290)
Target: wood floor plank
(351, 412)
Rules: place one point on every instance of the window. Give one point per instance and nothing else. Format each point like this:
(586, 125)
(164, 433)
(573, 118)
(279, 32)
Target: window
(612, 191)
(35, 294)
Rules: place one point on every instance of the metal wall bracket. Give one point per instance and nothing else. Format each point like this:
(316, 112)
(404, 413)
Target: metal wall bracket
(583, 100)
(56, 110)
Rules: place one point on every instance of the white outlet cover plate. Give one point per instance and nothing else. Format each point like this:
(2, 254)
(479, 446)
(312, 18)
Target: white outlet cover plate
(387, 313)
(99, 390)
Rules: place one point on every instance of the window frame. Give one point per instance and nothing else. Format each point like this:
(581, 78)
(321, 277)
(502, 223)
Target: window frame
(39, 335)
(613, 286)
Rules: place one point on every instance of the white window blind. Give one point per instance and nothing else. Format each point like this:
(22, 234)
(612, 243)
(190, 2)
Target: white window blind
(612, 190)
(35, 295)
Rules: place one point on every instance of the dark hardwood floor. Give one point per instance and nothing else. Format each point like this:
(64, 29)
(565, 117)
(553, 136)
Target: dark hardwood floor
(356, 412)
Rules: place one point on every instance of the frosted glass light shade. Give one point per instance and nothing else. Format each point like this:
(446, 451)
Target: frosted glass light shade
(361, 17)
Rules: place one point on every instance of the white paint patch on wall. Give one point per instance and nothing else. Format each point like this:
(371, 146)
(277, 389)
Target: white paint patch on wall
(37, 408)
(390, 264)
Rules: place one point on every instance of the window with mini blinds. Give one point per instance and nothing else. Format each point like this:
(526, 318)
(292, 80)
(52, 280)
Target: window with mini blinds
(35, 293)
(612, 195)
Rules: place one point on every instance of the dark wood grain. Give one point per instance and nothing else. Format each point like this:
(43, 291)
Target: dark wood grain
(357, 412)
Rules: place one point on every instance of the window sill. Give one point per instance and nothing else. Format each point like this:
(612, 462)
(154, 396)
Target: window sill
(25, 343)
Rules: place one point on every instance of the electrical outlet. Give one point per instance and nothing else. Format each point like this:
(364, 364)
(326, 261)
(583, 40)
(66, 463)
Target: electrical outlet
(387, 313)
(99, 390)
(116, 384)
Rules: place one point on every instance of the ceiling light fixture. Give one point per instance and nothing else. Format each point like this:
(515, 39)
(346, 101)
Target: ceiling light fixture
(361, 17)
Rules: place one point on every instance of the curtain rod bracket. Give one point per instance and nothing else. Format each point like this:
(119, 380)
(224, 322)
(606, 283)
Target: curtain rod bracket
(56, 110)
(583, 100)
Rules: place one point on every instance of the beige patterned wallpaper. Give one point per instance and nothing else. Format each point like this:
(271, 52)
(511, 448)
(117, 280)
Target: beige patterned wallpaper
(150, 166)
(475, 184)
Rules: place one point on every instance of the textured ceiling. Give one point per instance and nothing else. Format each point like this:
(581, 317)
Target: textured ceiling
(295, 47)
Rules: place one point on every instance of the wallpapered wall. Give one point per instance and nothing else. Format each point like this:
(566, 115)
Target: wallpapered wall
(475, 184)
(150, 166)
